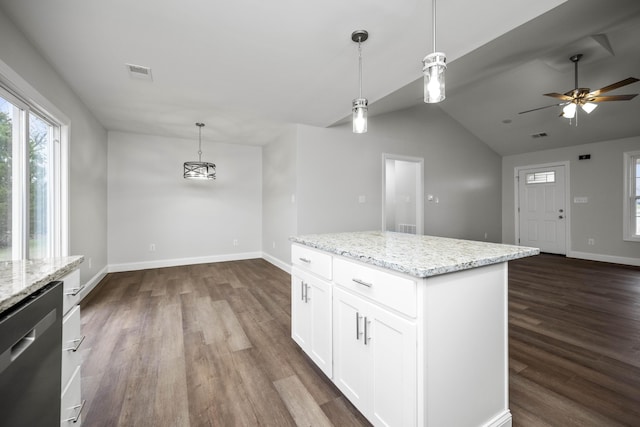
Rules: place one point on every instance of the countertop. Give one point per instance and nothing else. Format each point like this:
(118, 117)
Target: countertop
(416, 255)
(19, 279)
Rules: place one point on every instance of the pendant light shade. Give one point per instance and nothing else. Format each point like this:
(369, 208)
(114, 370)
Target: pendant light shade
(359, 105)
(433, 67)
(199, 169)
(569, 111)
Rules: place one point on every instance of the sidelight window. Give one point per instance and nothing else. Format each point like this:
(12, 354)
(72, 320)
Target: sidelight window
(632, 196)
(30, 190)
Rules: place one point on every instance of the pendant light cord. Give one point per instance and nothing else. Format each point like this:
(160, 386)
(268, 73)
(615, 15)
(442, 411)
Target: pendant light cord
(360, 67)
(433, 4)
(200, 141)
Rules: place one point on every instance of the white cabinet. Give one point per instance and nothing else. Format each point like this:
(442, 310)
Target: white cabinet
(311, 317)
(71, 399)
(375, 359)
(406, 351)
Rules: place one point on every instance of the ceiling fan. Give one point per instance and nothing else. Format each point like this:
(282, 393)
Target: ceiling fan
(585, 97)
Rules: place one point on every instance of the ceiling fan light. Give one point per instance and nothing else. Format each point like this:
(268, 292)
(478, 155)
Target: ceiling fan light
(589, 107)
(569, 111)
(434, 66)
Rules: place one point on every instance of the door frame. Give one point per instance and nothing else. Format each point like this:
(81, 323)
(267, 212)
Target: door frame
(567, 199)
(419, 189)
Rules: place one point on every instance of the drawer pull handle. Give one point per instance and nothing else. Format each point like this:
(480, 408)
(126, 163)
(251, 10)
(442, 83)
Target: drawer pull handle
(77, 417)
(77, 346)
(74, 291)
(363, 283)
(305, 260)
(366, 338)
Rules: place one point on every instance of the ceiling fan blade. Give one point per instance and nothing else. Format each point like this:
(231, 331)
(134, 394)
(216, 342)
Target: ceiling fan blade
(613, 86)
(559, 96)
(612, 98)
(541, 108)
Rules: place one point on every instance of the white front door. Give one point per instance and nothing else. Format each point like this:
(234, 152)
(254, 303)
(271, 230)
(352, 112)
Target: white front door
(542, 211)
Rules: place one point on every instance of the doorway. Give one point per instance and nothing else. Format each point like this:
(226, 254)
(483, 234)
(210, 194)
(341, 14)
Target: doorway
(541, 207)
(402, 194)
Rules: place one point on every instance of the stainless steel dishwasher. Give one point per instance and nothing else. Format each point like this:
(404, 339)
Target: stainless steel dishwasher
(30, 360)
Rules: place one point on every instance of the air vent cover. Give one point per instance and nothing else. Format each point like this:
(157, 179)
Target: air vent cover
(139, 72)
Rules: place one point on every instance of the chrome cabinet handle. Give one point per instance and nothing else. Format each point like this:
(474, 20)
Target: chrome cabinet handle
(363, 283)
(357, 326)
(302, 290)
(366, 340)
(74, 291)
(305, 260)
(306, 292)
(77, 417)
(77, 346)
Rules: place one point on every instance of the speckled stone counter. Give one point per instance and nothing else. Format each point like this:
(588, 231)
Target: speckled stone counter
(19, 279)
(419, 256)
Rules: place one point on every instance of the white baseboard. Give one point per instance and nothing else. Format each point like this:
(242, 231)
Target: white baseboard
(502, 420)
(145, 265)
(93, 282)
(278, 263)
(604, 258)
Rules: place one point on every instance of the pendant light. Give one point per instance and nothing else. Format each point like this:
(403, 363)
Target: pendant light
(199, 169)
(434, 66)
(359, 105)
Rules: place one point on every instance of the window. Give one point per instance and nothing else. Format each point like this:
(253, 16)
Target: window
(29, 181)
(541, 177)
(632, 196)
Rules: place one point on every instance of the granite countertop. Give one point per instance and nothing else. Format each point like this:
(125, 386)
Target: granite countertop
(419, 256)
(19, 279)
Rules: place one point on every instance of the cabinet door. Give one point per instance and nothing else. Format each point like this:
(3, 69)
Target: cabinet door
(318, 298)
(351, 355)
(393, 369)
(300, 312)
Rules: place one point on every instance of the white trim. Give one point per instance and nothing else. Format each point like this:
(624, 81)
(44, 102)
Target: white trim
(275, 261)
(501, 420)
(604, 258)
(145, 265)
(567, 198)
(628, 209)
(92, 283)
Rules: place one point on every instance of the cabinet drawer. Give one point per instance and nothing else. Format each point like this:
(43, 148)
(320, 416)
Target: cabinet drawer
(312, 260)
(71, 290)
(71, 405)
(71, 340)
(398, 293)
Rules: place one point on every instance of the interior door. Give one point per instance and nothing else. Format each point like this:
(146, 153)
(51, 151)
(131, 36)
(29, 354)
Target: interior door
(542, 211)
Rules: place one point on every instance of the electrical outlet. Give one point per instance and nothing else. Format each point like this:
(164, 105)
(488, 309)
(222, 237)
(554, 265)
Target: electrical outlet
(89, 263)
(591, 242)
(152, 247)
(235, 242)
(274, 245)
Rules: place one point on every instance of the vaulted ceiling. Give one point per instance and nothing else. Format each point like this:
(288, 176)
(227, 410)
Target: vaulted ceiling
(247, 67)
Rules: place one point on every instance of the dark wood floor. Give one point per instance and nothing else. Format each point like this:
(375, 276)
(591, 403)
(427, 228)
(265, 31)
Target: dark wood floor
(208, 345)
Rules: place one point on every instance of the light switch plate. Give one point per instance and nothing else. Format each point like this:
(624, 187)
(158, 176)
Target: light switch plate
(580, 200)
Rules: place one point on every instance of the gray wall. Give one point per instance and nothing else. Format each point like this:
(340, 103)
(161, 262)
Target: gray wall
(188, 221)
(601, 180)
(88, 150)
(279, 218)
(335, 167)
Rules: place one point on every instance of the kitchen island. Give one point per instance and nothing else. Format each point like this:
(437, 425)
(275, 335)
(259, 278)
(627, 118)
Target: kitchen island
(412, 329)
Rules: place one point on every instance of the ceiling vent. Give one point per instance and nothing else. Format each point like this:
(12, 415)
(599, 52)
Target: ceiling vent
(139, 72)
(539, 135)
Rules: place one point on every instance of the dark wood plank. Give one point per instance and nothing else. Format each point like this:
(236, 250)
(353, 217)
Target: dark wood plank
(209, 345)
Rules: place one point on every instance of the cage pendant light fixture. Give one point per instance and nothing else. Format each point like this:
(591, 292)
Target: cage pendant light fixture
(360, 104)
(433, 67)
(199, 169)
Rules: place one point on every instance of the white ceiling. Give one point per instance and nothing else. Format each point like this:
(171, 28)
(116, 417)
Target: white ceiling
(248, 67)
